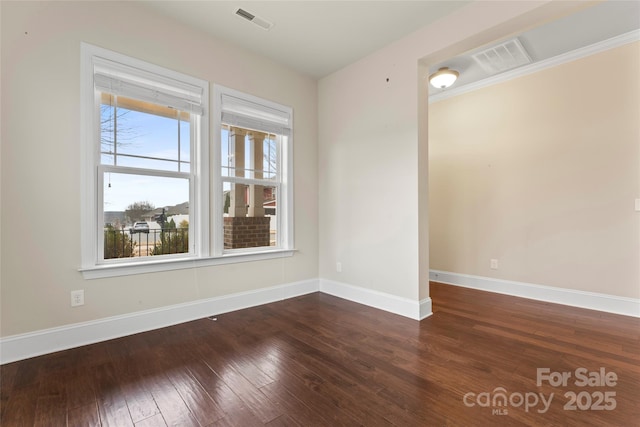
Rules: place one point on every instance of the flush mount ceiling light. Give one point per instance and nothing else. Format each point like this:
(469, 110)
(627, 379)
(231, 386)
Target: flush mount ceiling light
(443, 78)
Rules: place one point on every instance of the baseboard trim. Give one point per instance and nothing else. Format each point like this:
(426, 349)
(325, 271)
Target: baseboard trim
(32, 344)
(24, 346)
(590, 300)
(406, 307)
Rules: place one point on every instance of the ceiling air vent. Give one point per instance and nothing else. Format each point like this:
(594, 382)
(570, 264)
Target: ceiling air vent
(502, 57)
(262, 23)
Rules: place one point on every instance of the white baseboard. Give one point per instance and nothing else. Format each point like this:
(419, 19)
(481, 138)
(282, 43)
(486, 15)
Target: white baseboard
(412, 309)
(23, 346)
(575, 298)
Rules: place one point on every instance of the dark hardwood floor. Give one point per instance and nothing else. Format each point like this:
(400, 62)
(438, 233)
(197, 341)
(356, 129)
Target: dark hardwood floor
(318, 360)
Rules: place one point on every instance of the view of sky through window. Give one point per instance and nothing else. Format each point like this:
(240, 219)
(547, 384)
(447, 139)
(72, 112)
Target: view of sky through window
(144, 136)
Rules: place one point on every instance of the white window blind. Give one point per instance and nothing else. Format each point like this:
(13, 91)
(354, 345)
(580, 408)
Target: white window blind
(252, 115)
(119, 79)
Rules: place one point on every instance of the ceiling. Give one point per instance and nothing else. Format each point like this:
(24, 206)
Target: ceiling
(320, 37)
(313, 37)
(586, 27)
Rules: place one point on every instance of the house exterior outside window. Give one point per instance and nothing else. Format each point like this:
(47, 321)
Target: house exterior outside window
(254, 174)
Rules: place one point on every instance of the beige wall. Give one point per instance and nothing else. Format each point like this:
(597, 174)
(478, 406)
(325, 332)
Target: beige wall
(367, 136)
(373, 150)
(41, 160)
(368, 175)
(541, 173)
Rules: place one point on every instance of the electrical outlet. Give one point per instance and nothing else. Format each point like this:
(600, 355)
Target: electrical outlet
(494, 264)
(339, 267)
(77, 298)
(637, 205)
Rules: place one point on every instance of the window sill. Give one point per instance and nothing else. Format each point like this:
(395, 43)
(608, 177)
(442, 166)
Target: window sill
(114, 270)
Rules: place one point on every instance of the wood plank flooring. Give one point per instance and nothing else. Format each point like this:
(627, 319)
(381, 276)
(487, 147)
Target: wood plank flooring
(318, 360)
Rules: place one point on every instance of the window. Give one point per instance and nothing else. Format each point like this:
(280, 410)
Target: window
(253, 177)
(143, 129)
(155, 195)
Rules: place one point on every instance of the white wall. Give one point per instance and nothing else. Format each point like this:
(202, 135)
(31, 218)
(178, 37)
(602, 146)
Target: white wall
(541, 172)
(41, 160)
(373, 150)
(366, 134)
(368, 196)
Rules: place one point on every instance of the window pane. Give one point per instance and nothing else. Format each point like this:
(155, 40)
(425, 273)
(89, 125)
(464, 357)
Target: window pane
(147, 163)
(249, 154)
(270, 150)
(185, 145)
(144, 135)
(250, 216)
(225, 159)
(145, 215)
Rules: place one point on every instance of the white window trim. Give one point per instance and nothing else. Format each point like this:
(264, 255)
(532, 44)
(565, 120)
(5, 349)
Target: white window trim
(208, 251)
(90, 166)
(112, 270)
(285, 215)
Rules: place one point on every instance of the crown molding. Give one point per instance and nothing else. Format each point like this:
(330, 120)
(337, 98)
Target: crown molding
(621, 40)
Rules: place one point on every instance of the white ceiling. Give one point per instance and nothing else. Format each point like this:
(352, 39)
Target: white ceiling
(320, 37)
(584, 28)
(314, 37)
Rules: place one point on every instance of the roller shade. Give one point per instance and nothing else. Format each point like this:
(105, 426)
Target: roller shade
(119, 79)
(252, 115)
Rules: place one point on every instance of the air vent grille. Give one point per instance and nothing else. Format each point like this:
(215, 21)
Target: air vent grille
(502, 57)
(260, 22)
(246, 15)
